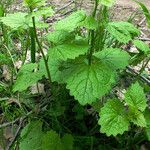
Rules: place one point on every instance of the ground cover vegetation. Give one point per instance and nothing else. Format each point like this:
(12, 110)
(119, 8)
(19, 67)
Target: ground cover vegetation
(62, 95)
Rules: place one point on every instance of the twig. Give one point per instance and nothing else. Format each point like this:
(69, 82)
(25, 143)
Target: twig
(16, 134)
(66, 13)
(144, 39)
(142, 21)
(65, 6)
(9, 123)
(41, 50)
(134, 73)
(142, 69)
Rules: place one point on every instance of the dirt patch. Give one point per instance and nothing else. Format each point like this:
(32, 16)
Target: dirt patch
(131, 3)
(87, 3)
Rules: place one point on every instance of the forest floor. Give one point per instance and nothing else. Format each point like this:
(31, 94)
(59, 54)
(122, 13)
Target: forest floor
(127, 3)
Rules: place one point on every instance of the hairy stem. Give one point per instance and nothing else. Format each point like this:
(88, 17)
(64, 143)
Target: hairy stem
(41, 50)
(33, 44)
(142, 69)
(92, 36)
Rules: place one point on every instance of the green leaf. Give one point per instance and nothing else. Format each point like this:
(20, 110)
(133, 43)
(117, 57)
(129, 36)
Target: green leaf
(34, 3)
(142, 46)
(43, 11)
(21, 20)
(114, 57)
(147, 118)
(137, 117)
(67, 142)
(68, 51)
(56, 74)
(71, 22)
(15, 20)
(87, 82)
(122, 31)
(51, 141)
(89, 23)
(31, 136)
(63, 52)
(108, 3)
(4, 59)
(113, 118)
(135, 97)
(60, 36)
(26, 77)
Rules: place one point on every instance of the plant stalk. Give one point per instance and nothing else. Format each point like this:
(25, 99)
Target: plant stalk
(33, 43)
(92, 36)
(142, 69)
(41, 50)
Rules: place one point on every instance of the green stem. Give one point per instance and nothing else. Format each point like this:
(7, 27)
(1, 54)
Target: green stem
(26, 50)
(41, 50)
(92, 33)
(92, 36)
(33, 46)
(91, 148)
(142, 69)
(100, 35)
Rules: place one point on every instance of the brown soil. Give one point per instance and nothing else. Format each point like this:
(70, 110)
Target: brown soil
(124, 3)
(131, 3)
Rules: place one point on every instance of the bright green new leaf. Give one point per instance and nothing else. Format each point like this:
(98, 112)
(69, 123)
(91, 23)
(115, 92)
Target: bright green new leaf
(34, 3)
(115, 57)
(21, 20)
(51, 141)
(68, 51)
(135, 97)
(43, 11)
(137, 117)
(40, 25)
(87, 82)
(89, 23)
(142, 46)
(31, 136)
(113, 118)
(71, 22)
(26, 77)
(15, 20)
(62, 53)
(122, 31)
(60, 36)
(108, 3)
